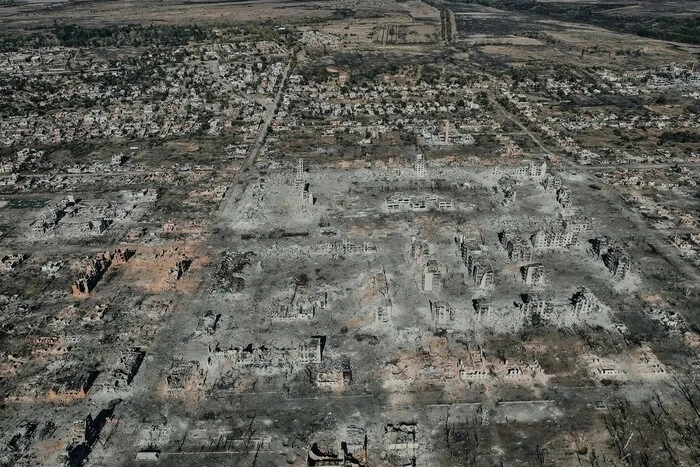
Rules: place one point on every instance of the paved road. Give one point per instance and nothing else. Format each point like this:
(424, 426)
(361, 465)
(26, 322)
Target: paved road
(242, 177)
(638, 166)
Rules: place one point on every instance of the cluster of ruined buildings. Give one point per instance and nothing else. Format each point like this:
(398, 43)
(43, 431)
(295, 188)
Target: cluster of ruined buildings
(10, 262)
(583, 303)
(448, 138)
(115, 112)
(301, 306)
(353, 451)
(63, 387)
(9, 167)
(479, 368)
(68, 379)
(562, 193)
(15, 444)
(400, 445)
(521, 248)
(93, 217)
(330, 100)
(94, 271)
(542, 305)
(476, 369)
(533, 170)
(674, 76)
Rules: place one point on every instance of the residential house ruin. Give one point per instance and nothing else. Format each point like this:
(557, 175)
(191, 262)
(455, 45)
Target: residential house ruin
(91, 275)
(72, 387)
(10, 262)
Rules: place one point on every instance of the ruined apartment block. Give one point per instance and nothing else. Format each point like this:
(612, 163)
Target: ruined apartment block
(442, 312)
(540, 304)
(400, 201)
(584, 303)
(532, 170)
(533, 274)
(553, 239)
(301, 353)
(473, 257)
(519, 249)
(614, 258)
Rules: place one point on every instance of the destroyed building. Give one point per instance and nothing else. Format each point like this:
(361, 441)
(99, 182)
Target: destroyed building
(601, 245)
(383, 312)
(442, 312)
(419, 250)
(578, 225)
(91, 275)
(285, 312)
(181, 266)
(400, 440)
(473, 369)
(208, 324)
(185, 376)
(532, 170)
(539, 304)
(431, 279)
(519, 249)
(421, 171)
(584, 303)
(400, 201)
(100, 225)
(72, 386)
(533, 274)
(334, 378)
(617, 262)
(473, 257)
(551, 182)
(350, 455)
(10, 262)
(481, 305)
(126, 369)
(553, 239)
(564, 197)
(309, 351)
(122, 255)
